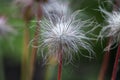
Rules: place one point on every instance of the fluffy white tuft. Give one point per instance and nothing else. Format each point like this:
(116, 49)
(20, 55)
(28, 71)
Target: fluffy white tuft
(67, 33)
(113, 27)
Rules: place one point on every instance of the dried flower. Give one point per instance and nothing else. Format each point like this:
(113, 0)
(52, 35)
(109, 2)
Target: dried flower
(67, 33)
(113, 27)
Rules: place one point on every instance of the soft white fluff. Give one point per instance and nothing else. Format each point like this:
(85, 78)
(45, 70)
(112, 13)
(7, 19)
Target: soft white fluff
(66, 34)
(113, 28)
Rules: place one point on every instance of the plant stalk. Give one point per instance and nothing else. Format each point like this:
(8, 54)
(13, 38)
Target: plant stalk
(35, 43)
(60, 66)
(116, 64)
(25, 56)
(104, 63)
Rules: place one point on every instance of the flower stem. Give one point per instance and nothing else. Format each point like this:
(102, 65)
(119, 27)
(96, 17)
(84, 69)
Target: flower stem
(104, 66)
(105, 63)
(33, 58)
(60, 66)
(116, 64)
(35, 43)
(25, 55)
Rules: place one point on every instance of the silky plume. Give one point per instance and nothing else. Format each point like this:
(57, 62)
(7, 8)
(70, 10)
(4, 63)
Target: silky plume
(66, 34)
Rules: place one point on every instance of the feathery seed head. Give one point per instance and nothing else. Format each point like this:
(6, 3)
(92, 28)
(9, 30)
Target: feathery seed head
(66, 35)
(113, 27)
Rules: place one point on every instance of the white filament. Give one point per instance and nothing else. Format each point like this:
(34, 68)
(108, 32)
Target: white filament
(67, 34)
(113, 27)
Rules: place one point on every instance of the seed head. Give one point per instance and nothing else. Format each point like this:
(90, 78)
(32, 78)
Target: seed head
(113, 27)
(66, 35)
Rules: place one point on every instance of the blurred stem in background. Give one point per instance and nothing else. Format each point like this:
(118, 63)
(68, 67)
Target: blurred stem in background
(27, 17)
(38, 15)
(105, 62)
(51, 68)
(115, 68)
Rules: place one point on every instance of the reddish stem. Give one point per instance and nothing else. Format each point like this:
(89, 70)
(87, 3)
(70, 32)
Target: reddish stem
(104, 66)
(116, 64)
(60, 66)
(105, 63)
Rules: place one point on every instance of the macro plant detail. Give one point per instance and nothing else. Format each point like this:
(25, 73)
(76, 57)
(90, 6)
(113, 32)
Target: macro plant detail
(59, 39)
(63, 35)
(66, 34)
(112, 29)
